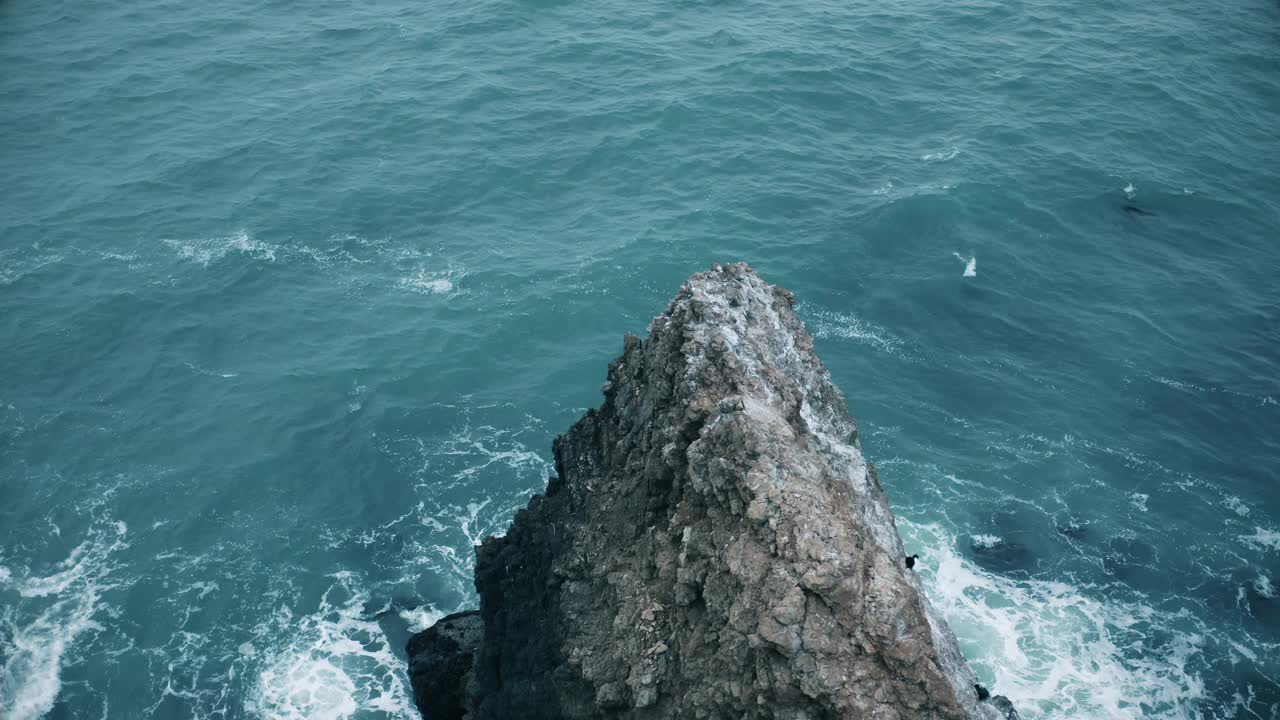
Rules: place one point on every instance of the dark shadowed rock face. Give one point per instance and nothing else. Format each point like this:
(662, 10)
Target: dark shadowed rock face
(1005, 708)
(714, 546)
(440, 661)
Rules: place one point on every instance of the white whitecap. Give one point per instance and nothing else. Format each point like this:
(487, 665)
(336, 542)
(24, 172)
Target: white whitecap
(33, 653)
(421, 618)
(31, 677)
(1236, 505)
(356, 397)
(985, 541)
(206, 251)
(1130, 191)
(302, 687)
(970, 264)
(1263, 585)
(438, 285)
(941, 156)
(71, 571)
(211, 373)
(1053, 648)
(1263, 538)
(431, 282)
(847, 326)
(337, 664)
(18, 264)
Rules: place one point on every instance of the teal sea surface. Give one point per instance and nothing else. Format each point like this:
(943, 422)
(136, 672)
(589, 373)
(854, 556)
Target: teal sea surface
(295, 296)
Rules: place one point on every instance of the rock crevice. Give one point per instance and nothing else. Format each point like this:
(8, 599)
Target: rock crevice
(714, 545)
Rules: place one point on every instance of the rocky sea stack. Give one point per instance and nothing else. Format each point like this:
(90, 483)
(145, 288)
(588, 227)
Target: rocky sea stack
(714, 545)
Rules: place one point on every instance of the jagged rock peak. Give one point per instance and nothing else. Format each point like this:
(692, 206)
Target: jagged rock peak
(714, 544)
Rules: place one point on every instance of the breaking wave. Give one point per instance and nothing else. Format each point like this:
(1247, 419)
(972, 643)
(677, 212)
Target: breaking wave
(339, 664)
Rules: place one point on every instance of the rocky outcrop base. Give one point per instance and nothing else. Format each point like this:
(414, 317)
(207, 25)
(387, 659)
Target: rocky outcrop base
(713, 545)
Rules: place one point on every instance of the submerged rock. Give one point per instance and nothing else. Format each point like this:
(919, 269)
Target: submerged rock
(714, 545)
(1001, 555)
(1005, 707)
(1073, 531)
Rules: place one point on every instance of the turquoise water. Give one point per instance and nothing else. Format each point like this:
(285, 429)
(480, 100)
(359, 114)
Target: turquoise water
(293, 300)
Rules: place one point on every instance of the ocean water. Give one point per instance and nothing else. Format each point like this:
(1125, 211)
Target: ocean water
(294, 298)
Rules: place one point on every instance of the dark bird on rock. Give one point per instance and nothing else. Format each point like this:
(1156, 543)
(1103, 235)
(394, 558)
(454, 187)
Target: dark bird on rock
(983, 693)
(911, 561)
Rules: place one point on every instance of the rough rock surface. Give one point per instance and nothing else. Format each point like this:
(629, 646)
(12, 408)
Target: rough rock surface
(440, 661)
(714, 545)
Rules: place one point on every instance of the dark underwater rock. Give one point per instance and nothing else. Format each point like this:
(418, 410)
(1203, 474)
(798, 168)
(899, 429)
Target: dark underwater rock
(440, 663)
(1137, 564)
(1001, 555)
(1005, 707)
(1073, 531)
(714, 545)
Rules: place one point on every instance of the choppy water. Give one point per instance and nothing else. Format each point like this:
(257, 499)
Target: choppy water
(293, 300)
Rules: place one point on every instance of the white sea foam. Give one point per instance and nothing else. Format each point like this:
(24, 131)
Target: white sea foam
(460, 480)
(437, 286)
(970, 264)
(826, 324)
(1244, 651)
(356, 397)
(30, 679)
(428, 282)
(1236, 505)
(1263, 585)
(1176, 384)
(421, 618)
(129, 259)
(1052, 648)
(207, 251)
(942, 156)
(301, 686)
(1263, 538)
(1130, 191)
(11, 419)
(17, 263)
(1189, 387)
(985, 541)
(336, 665)
(1139, 500)
(203, 588)
(211, 373)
